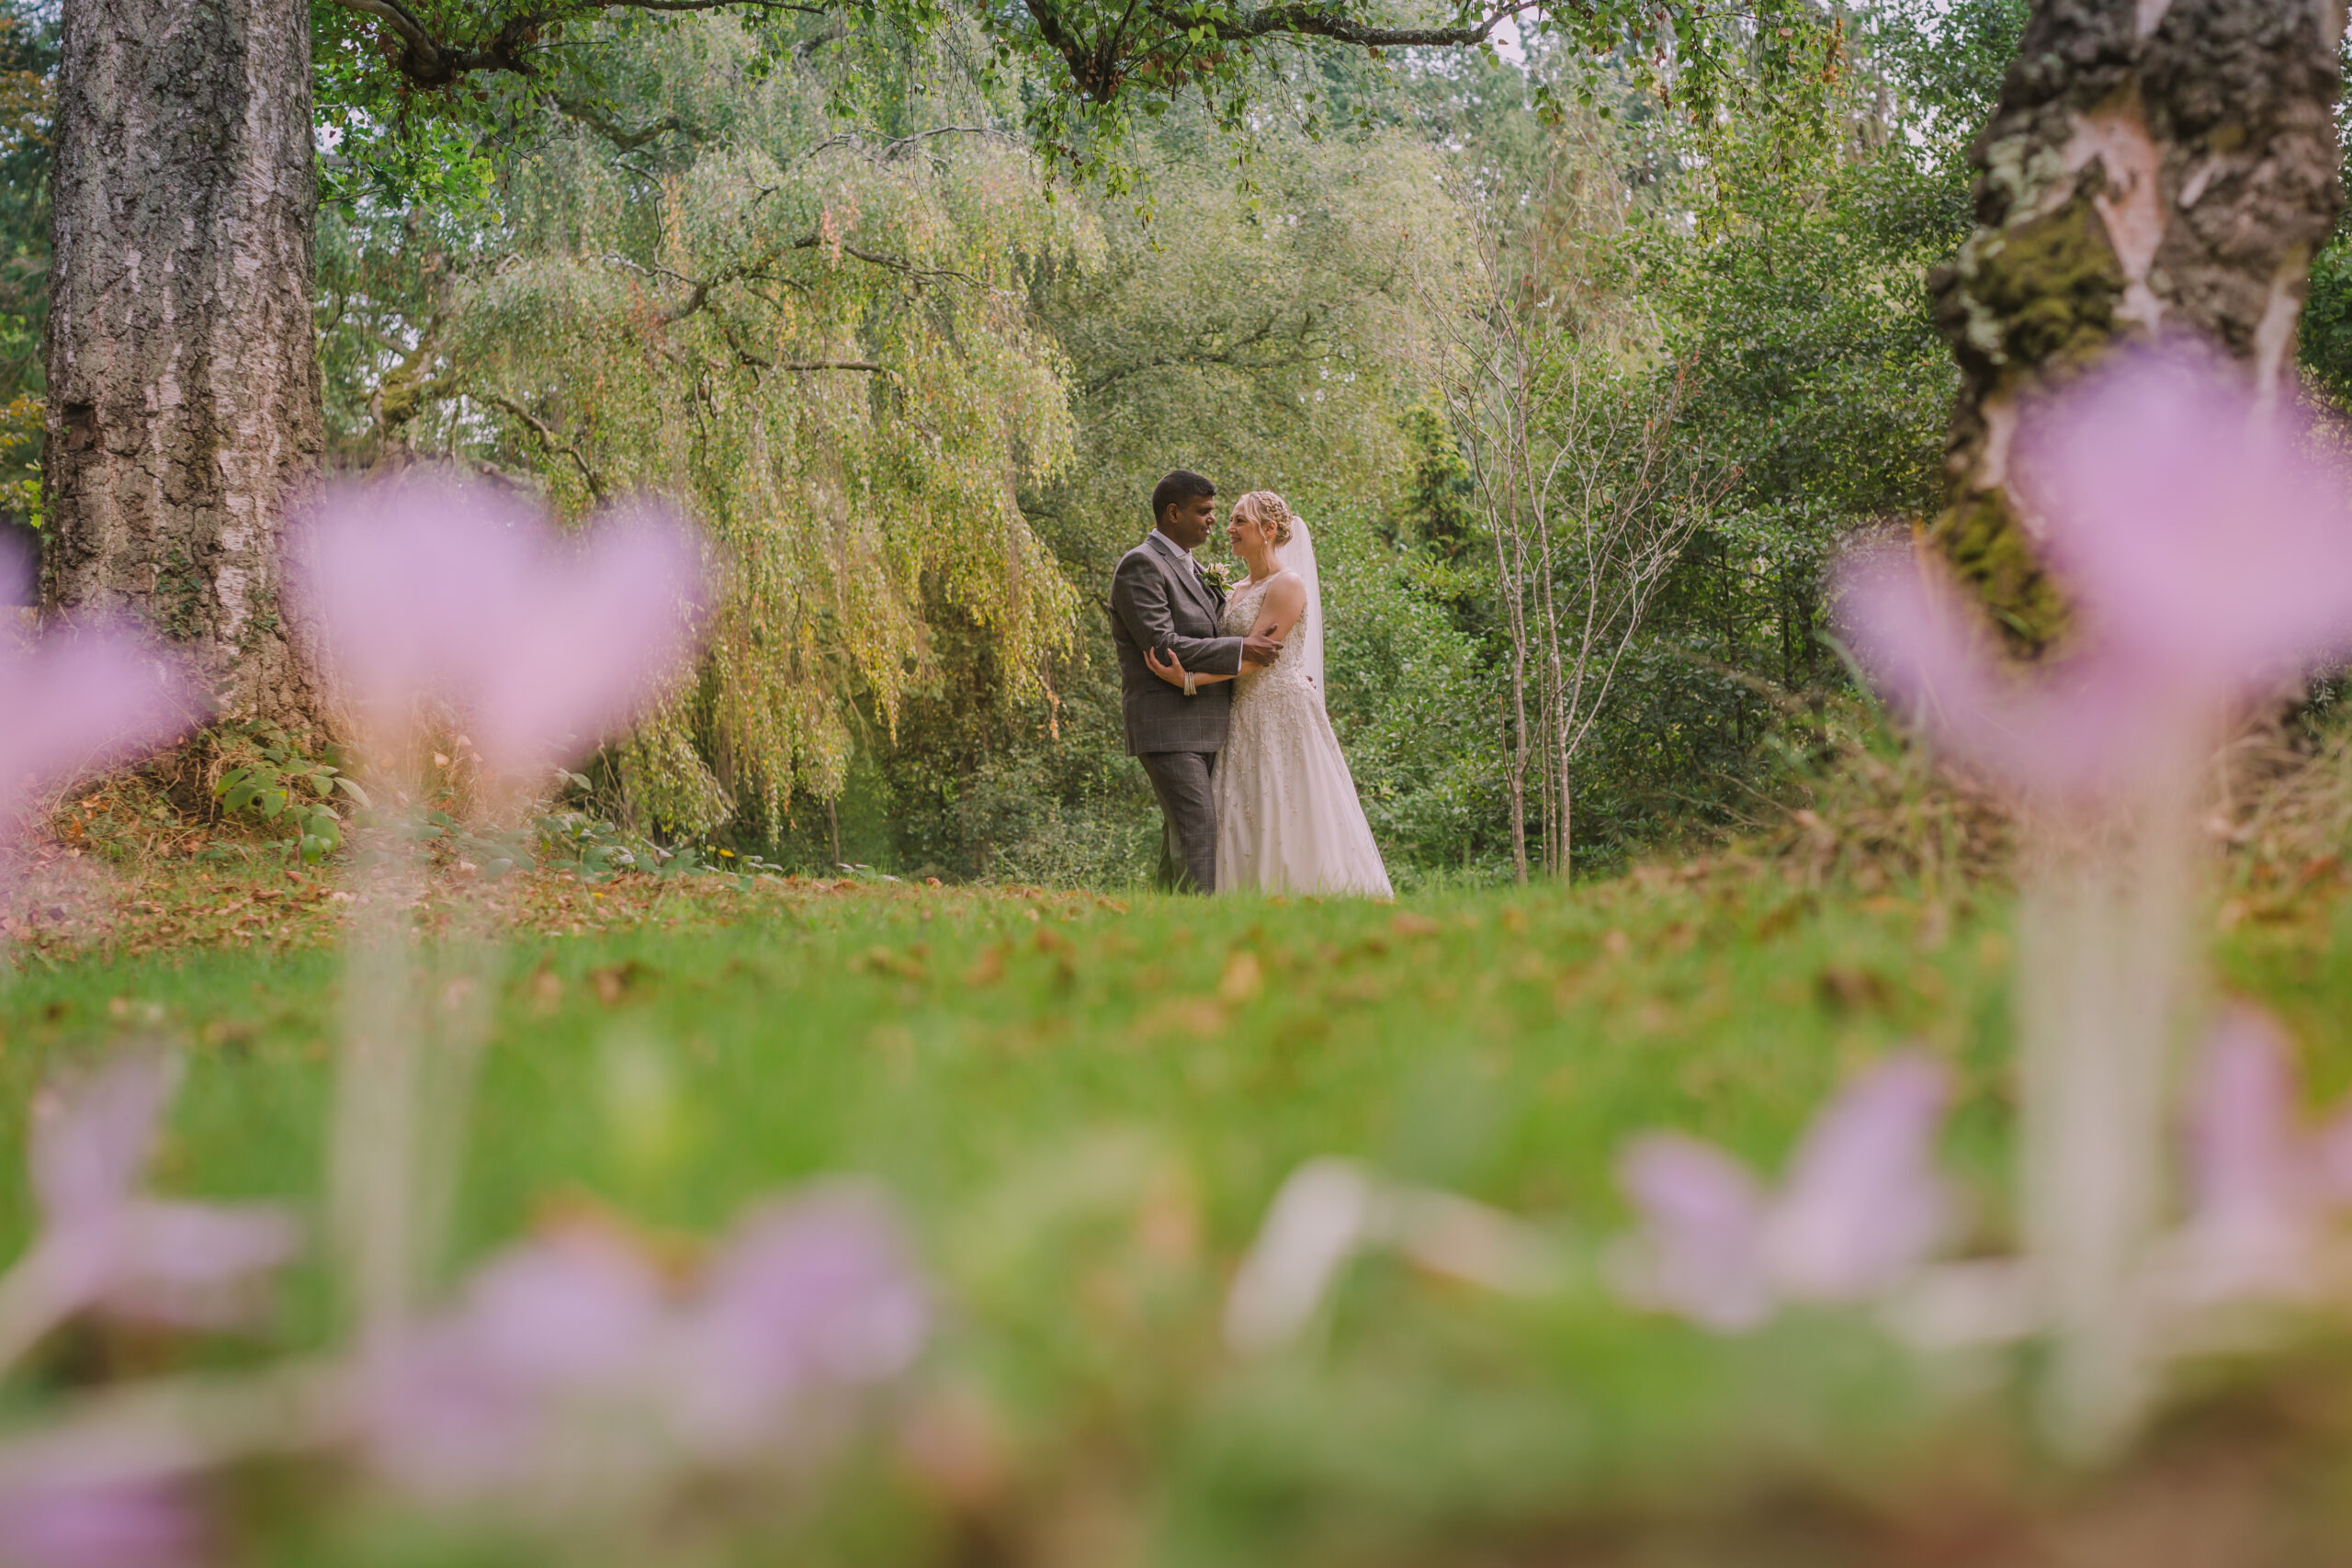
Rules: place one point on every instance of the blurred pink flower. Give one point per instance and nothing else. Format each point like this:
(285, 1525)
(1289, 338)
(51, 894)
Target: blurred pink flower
(1701, 1248)
(104, 1247)
(2253, 1191)
(2086, 729)
(569, 1357)
(101, 1524)
(73, 703)
(2265, 1188)
(809, 1294)
(2203, 534)
(431, 592)
(471, 1402)
(1862, 1207)
(2206, 547)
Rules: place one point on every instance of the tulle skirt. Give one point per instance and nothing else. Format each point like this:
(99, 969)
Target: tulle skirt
(1288, 820)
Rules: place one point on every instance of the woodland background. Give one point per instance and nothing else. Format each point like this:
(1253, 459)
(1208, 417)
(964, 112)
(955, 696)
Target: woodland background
(813, 279)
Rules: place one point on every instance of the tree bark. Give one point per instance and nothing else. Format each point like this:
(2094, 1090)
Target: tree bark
(184, 407)
(2156, 169)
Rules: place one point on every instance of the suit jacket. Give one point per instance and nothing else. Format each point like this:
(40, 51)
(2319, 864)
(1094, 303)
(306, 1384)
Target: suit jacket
(1159, 604)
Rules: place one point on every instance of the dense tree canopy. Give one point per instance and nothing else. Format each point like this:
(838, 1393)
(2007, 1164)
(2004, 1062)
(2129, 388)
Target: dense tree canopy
(907, 308)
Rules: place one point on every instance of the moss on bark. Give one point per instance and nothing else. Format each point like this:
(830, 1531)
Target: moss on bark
(2153, 171)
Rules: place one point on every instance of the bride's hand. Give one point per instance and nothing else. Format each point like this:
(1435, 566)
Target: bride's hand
(1164, 665)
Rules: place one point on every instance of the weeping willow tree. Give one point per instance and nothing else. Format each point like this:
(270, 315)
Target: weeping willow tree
(1265, 326)
(818, 341)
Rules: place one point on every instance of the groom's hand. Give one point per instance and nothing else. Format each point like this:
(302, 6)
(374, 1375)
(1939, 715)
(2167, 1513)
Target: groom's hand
(1259, 650)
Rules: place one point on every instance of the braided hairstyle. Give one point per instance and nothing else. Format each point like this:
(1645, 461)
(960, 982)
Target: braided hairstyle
(1264, 509)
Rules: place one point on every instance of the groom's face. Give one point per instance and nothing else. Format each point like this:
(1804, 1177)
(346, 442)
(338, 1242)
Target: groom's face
(1189, 521)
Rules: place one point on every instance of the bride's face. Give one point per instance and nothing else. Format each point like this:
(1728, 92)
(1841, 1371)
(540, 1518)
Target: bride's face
(1244, 535)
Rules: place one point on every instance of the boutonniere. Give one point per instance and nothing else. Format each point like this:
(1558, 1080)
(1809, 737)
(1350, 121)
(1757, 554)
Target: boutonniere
(1218, 575)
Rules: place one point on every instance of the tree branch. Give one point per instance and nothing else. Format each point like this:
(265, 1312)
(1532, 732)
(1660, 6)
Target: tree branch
(611, 130)
(402, 21)
(539, 427)
(1317, 21)
(1103, 64)
(428, 61)
(696, 297)
(803, 367)
(888, 150)
(880, 258)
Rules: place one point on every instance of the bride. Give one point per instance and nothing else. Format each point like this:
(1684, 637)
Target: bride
(1287, 816)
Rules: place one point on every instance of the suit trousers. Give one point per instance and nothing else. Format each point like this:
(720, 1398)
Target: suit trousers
(1188, 808)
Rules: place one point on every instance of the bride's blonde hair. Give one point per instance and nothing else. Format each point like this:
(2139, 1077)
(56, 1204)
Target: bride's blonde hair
(1264, 509)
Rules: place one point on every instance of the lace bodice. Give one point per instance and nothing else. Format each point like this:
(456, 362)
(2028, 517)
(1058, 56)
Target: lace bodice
(1241, 615)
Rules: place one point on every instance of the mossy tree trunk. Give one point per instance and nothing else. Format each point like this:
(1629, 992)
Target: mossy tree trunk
(183, 406)
(2156, 168)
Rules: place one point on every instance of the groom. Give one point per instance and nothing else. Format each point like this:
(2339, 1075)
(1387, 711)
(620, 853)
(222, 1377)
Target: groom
(1162, 601)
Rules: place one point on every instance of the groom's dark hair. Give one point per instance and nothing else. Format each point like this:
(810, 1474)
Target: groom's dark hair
(1176, 489)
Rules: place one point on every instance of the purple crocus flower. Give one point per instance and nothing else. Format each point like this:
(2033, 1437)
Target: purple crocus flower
(2202, 532)
(2265, 1189)
(571, 1361)
(2207, 549)
(99, 1524)
(2084, 732)
(543, 1334)
(102, 1245)
(810, 1294)
(433, 592)
(1701, 1251)
(1862, 1207)
(73, 703)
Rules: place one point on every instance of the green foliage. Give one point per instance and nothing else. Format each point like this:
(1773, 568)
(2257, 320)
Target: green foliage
(1268, 337)
(21, 426)
(2324, 344)
(270, 779)
(27, 82)
(815, 338)
(1110, 70)
(917, 394)
(1788, 251)
(386, 141)
(404, 94)
(2324, 339)
(1414, 698)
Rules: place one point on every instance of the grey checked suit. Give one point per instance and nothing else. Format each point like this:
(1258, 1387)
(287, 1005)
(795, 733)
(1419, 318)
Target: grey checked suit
(1160, 600)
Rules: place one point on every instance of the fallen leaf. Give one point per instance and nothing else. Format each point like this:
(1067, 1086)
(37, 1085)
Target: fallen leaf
(1243, 978)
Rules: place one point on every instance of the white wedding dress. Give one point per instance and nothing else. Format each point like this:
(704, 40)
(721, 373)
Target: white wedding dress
(1287, 816)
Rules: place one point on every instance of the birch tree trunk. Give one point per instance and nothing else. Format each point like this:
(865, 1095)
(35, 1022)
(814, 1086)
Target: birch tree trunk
(184, 411)
(1510, 571)
(2156, 169)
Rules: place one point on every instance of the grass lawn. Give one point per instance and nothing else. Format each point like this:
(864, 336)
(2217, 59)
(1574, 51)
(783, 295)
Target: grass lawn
(1083, 1105)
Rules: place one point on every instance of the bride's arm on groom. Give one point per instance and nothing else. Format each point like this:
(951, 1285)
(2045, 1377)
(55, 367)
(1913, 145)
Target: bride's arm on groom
(1285, 602)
